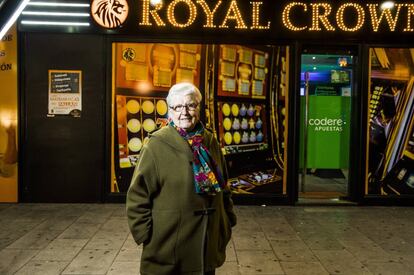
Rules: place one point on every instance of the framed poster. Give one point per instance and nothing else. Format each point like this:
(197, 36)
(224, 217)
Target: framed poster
(65, 93)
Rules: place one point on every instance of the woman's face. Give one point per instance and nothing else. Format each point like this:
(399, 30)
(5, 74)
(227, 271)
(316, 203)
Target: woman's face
(185, 112)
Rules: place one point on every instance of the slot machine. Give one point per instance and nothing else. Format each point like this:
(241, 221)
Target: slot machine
(400, 178)
(386, 102)
(250, 100)
(142, 75)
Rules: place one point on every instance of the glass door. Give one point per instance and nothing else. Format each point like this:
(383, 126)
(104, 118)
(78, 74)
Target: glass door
(325, 97)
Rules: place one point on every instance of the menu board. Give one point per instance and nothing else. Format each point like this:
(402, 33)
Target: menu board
(243, 72)
(242, 127)
(65, 92)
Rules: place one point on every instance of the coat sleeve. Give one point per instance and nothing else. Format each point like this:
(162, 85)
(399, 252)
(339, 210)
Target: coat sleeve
(228, 202)
(138, 202)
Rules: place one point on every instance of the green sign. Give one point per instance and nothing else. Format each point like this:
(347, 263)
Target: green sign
(328, 132)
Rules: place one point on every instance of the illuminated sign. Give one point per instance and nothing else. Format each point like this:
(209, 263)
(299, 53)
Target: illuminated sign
(109, 13)
(323, 17)
(327, 124)
(265, 16)
(151, 14)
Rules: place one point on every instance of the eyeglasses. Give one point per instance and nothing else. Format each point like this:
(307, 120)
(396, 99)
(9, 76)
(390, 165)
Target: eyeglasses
(180, 108)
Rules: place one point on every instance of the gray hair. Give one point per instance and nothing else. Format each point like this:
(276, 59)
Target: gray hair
(183, 89)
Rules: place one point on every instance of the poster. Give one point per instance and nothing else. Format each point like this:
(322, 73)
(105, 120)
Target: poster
(65, 92)
(8, 117)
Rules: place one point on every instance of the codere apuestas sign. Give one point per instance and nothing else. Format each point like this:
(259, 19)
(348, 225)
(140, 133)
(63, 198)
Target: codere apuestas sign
(319, 16)
(327, 124)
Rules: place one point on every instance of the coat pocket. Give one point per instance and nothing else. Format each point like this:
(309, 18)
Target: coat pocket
(161, 247)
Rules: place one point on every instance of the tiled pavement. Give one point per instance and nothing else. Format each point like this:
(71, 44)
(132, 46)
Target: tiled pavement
(94, 239)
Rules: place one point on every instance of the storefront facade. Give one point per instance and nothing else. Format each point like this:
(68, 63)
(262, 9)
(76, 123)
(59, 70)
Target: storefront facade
(299, 95)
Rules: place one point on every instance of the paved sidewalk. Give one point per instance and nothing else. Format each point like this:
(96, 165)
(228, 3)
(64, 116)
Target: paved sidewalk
(94, 239)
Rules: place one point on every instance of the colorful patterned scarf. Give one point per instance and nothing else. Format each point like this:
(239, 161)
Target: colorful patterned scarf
(207, 176)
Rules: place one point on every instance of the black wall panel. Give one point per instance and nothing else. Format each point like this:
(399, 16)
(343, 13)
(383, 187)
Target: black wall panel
(62, 157)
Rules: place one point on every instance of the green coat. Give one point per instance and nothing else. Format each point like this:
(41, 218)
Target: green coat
(160, 206)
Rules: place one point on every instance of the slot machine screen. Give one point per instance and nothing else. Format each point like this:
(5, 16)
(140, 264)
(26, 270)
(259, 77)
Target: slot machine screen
(136, 118)
(242, 127)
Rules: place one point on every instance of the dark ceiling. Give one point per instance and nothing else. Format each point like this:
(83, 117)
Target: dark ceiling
(7, 8)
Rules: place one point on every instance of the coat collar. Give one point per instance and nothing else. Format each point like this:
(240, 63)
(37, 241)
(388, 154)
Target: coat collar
(170, 136)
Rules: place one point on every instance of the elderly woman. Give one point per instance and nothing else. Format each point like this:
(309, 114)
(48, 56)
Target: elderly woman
(178, 204)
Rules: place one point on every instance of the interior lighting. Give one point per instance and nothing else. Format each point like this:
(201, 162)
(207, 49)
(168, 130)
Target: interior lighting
(58, 4)
(387, 5)
(52, 23)
(6, 119)
(13, 18)
(313, 57)
(342, 62)
(5, 122)
(47, 13)
(314, 68)
(144, 87)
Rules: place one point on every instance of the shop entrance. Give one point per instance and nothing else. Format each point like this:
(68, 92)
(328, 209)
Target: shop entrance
(325, 119)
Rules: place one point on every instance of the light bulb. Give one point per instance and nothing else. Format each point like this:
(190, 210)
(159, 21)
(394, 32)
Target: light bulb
(155, 2)
(387, 5)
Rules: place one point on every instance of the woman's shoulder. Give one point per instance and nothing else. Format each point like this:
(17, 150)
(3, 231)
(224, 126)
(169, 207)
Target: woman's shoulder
(158, 135)
(164, 135)
(161, 132)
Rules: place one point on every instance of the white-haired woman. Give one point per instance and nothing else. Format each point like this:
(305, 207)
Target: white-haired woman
(178, 204)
